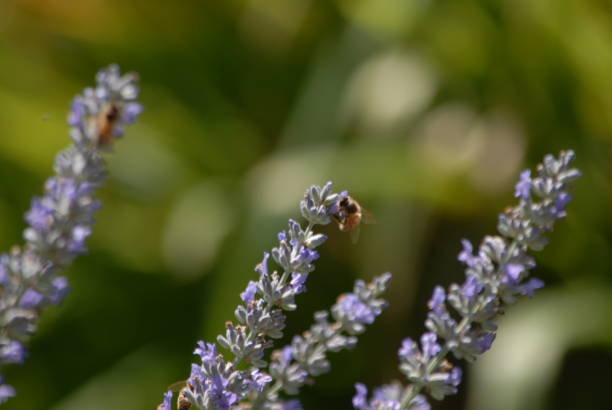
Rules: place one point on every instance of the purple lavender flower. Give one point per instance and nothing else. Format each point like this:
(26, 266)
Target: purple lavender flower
(354, 310)
(131, 112)
(523, 187)
(6, 391)
(291, 405)
(513, 272)
(560, 202)
(30, 299)
(484, 343)
(429, 345)
(320, 204)
(471, 287)
(418, 366)
(262, 268)
(77, 112)
(220, 397)
(166, 404)
(13, 352)
(206, 351)
(211, 385)
(259, 379)
(298, 281)
(60, 221)
(466, 255)
(496, 276)
(286, 355)
(58, 290)
(437, 300)
(527, 288)
(249, 294)
(39, 216)
(99, 115)
(409, 349)
(386, 397)
(306, 357)
(360, 400)
(216, 383)
(419, 403)
(4, 273)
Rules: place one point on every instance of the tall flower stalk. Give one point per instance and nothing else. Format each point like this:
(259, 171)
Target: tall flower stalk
(495, 278)
(60, 221)
(217, 383)
(306, 357)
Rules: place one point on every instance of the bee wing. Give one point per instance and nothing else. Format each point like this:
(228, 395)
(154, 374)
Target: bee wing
(367, 217)
(354, 234)
(176, 387)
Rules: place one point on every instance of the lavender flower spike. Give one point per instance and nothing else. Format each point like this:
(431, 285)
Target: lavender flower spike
(61, 220)
(217, 383)
(296, 364)
(495, 277)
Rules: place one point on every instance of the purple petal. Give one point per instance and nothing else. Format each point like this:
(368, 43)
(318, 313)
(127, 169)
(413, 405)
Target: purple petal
(419, 403)
(523, 187)
(513, 272)
(77, 111)
(79, 234)
(485, 342)
(3, 271)
(39, 216)
(471, 287)
(292, 405)
(12, 352)
(560, 203)
(260, 379)
(297, 282)
(167, 403)
(360, 399)
(59, 291)
(436, 303)
(466, 255)
(131, 111)
(6, 392)
(249, 294)
(454, 377)
(408, 350)
(429, 345)
(355, 310)
(30, 299)
(262, 268)
(286, 355)
(101, 93)
(206, 351)
(531, 286)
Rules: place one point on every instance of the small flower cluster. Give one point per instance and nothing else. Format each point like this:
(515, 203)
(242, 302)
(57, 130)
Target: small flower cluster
(61, 220)
(296, 364)
(219, 384)
(495, 278)
(99, 115)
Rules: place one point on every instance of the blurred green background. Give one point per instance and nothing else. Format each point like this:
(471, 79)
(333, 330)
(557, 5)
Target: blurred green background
(424, 110)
